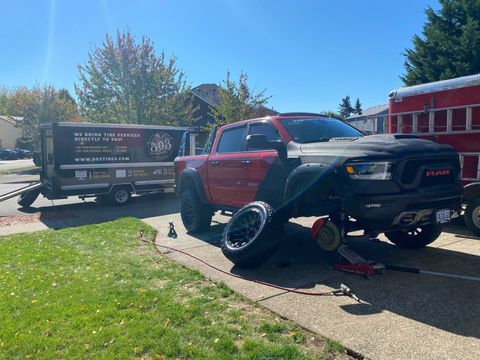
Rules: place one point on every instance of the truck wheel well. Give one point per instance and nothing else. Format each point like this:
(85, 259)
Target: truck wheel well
(471, 191)
(191, 180)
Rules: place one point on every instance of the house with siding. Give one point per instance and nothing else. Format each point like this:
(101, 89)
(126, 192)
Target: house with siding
(10, 130)
(373, 120)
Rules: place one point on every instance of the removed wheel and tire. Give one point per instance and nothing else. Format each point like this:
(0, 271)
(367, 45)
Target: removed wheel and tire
(251, 236)
(472, 216)
(196, 216)
(26, 199)
(120, 196)
(415, 238)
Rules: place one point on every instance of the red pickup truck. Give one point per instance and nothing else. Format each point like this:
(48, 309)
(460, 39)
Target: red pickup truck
(302, 164)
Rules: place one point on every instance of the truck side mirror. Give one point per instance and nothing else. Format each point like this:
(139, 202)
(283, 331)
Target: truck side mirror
(260, 142)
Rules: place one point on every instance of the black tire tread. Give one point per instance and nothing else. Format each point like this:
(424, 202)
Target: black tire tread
(402, 239)
(471, 205)
(203, 213)
(262, 247)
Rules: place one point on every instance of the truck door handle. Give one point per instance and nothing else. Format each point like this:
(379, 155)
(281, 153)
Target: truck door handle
(245, 162)
(215, 162)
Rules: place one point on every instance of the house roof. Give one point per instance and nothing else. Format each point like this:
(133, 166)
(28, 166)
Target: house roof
(210, 93)
(14, 120)
(371, 111)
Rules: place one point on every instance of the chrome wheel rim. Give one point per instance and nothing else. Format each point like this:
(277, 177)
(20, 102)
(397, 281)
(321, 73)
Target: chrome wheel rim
(246, 227)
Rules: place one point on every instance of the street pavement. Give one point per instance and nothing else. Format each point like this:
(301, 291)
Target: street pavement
(402, 316)
(15, 164)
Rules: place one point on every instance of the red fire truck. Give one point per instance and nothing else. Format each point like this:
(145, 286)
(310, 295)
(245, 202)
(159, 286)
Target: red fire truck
(447, 112)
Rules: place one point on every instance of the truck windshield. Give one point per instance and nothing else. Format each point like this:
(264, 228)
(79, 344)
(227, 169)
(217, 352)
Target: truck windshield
(307, 130)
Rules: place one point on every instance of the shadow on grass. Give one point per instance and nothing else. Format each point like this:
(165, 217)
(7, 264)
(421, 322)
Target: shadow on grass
(91, 212)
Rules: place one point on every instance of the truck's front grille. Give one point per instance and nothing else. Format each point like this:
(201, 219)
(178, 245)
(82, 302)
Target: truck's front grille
(433, 171)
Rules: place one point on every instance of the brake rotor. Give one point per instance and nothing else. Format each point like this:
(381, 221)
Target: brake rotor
(328, 236)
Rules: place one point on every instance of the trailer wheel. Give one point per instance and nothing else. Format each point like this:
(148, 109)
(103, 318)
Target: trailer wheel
(196, 216)
(120, 196)
(251, 236)
(415, 238)
(472, 216)
(26, 199)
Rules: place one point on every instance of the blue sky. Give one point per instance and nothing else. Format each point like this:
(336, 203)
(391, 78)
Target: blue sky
(307, 54)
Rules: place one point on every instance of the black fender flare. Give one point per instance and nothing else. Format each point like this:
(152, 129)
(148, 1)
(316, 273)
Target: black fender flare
(191, 176)
(471, 191)
(306, 171)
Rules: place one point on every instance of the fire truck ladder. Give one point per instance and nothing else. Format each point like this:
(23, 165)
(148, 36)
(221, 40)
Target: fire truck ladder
(25, 189)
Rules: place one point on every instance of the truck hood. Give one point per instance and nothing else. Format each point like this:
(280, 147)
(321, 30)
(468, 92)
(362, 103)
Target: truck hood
(378, 146)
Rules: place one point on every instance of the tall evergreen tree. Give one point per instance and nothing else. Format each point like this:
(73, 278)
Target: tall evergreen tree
(450, 45)
(358, 107)
(345, 108)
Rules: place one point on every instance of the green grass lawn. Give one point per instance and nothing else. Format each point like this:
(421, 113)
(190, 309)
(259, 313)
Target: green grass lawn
(97, 292)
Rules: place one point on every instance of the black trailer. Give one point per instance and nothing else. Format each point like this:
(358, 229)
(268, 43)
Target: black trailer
(107, 161)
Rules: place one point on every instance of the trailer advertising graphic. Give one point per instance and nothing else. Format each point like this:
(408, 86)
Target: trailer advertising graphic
(115, 154)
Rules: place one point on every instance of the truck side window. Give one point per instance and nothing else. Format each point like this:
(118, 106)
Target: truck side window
(265, 129)
(231, 140)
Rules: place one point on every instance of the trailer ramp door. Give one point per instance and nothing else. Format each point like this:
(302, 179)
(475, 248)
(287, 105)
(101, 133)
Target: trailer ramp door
(48, 159)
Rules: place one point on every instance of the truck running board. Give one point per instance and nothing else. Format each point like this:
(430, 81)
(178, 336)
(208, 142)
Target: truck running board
(31, 187)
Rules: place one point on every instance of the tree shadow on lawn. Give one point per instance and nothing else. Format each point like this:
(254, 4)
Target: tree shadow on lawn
(445, 303)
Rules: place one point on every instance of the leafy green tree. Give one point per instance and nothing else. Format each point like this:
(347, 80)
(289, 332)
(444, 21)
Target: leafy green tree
(125, 81)
(345, 108)
(38, 105)
(358, 107)
(238, 101)
(450, 45)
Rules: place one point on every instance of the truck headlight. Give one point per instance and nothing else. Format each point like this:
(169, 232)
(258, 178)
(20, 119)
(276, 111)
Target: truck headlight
(381, 170)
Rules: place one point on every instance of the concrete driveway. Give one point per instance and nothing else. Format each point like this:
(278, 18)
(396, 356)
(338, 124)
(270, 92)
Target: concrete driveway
(403, 316)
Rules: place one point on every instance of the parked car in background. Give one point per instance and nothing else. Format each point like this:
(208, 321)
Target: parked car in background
(9, 154)
(23, 154)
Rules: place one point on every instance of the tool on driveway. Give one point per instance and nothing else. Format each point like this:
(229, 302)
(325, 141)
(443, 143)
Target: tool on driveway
(357, 264)
(330, 236)
(346, 291)
(171, 231)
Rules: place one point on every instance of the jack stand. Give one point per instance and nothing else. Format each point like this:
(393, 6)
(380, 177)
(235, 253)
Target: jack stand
(357, 264)
(171, 231)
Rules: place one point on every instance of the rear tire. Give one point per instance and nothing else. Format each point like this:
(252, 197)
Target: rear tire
(196, 215)
(472, 216)
(26, 199)
(251, 236)
(415, 238)
(120, 196)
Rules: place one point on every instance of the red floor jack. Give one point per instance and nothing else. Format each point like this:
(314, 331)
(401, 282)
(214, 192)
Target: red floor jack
(357, 264)
(329, 237)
